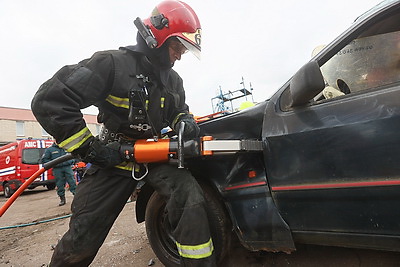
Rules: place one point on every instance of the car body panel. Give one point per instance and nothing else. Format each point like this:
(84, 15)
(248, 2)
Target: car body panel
(344, 155)
(331, 168)
(329, 173)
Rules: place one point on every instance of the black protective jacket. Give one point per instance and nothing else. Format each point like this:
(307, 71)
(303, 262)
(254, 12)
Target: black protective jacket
(106, 80)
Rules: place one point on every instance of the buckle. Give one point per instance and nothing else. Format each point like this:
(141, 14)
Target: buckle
(141, 127)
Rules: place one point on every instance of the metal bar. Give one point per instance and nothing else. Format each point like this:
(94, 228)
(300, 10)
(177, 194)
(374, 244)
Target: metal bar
(232, 145)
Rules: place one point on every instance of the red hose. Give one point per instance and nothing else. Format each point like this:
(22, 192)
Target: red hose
(46, 167)
(21, 189)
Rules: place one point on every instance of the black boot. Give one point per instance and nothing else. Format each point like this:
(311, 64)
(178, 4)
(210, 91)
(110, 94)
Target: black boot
(62, 202)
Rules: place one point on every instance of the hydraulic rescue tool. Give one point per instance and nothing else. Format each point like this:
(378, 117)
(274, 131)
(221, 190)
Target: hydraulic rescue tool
(172, 150)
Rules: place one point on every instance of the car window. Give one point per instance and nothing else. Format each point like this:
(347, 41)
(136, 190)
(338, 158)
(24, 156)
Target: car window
(370, 61)
(365, 63)
(32, 156)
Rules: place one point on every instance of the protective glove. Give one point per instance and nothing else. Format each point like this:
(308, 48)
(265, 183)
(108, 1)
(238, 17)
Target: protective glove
(102, 155)
(191, 130)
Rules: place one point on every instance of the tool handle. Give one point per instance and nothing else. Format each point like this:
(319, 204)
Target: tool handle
(181, 145)
(54, 162)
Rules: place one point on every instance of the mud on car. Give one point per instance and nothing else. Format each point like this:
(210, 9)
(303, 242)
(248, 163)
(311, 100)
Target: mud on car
(329, 171)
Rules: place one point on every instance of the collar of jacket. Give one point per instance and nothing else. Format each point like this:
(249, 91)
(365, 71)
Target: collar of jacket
(153, 60)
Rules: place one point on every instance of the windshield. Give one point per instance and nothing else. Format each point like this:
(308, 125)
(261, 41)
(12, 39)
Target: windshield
(32, 156)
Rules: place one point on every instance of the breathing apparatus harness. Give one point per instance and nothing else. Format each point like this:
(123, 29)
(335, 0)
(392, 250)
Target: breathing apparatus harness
(138, 117)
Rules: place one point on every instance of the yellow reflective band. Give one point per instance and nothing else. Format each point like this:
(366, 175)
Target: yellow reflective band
(127, 166)
(137, 167)
(196, 252)
(162, 102)
(76, 140)
(118, 101)
(176, 119)
(147, 104)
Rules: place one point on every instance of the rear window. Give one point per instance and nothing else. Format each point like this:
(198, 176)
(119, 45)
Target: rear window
(32, 156)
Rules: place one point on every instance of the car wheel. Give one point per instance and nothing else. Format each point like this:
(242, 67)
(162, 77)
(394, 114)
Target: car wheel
(159, 232)
(51, 186)
(8, 191)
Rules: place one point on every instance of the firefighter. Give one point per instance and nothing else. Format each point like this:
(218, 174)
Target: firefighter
(79, 169)
(137, 93)
(62, 172)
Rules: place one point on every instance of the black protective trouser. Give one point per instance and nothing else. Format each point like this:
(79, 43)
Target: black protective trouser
(99, 198)
(187, 214)
(102, 194)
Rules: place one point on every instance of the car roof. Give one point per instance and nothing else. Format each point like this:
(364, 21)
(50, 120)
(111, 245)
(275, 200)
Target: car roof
(378, 8)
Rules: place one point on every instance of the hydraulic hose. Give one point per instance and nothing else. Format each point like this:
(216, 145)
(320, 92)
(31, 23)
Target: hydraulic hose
(45, 167)
(34, 223)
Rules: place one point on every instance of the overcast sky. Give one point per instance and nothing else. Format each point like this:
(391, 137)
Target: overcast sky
(263, 41)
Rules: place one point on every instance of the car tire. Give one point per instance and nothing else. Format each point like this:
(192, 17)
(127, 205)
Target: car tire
(160, 237)
(51, 186)
(8, 191)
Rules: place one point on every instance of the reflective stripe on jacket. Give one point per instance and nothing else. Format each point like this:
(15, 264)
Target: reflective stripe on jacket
(104, 80)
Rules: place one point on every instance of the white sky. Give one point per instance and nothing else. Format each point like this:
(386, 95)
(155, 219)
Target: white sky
(263, 41)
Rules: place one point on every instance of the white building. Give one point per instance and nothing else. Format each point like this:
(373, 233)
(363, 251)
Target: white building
(17, 123)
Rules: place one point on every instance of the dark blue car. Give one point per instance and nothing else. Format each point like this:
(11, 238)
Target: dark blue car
(329, 170)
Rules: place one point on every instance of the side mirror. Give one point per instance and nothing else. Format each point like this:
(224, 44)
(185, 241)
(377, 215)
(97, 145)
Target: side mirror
(306, 84)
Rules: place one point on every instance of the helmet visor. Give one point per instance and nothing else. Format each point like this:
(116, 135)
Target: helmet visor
(191, 47)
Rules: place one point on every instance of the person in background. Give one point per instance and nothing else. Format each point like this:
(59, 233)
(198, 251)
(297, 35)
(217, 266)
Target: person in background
(79, 168)
(62, 172)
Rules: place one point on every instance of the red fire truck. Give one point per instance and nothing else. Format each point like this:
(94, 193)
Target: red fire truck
(19, 160)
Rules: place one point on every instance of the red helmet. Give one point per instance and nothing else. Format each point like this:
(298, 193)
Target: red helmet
(175, 18)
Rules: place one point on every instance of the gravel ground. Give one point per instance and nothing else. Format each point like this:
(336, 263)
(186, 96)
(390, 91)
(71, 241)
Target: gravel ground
(127, 244)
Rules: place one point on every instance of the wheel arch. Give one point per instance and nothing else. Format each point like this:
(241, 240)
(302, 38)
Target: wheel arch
(218, 217)
(145, 192)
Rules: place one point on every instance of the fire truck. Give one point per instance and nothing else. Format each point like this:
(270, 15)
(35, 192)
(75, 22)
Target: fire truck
(19, 160)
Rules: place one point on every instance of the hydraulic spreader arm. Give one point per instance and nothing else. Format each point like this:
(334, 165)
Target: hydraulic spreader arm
(176, 150)
(160, 150)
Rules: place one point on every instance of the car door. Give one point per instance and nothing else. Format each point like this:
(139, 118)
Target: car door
(333, 165)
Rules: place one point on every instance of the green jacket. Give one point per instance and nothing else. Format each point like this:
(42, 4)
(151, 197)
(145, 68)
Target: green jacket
(53, 152)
